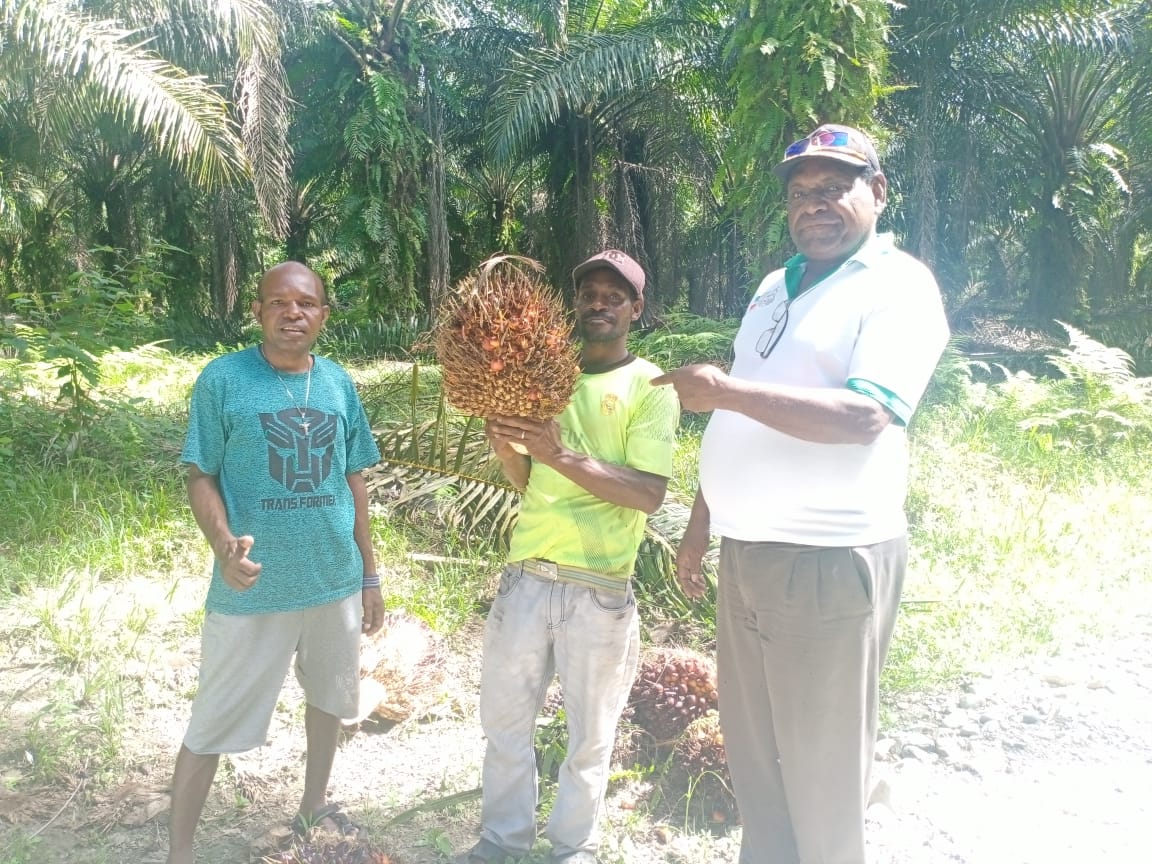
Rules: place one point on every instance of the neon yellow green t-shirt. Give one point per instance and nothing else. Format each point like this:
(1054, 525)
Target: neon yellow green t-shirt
(617, 417)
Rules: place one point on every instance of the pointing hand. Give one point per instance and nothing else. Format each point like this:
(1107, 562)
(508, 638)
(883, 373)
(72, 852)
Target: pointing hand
(700, 386)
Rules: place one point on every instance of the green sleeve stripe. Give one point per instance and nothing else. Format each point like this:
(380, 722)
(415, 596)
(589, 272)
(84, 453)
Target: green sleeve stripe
(901, 409)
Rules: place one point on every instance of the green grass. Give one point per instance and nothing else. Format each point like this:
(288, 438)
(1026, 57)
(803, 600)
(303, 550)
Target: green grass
(91, 635)
(17, 847)
(1022, 532)
(1028, 507)
(84, 518)
(444, 593)
(1028, 503)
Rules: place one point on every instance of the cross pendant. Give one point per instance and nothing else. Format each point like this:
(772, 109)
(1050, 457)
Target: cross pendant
(305, 426)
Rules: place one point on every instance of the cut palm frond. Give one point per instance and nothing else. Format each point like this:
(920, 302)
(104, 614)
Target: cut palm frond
(444, 460)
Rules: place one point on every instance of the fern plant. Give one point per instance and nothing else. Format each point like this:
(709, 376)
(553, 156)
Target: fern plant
(1099, 403)
(684, 338)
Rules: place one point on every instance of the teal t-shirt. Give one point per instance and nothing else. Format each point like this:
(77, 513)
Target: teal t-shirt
(282, 474)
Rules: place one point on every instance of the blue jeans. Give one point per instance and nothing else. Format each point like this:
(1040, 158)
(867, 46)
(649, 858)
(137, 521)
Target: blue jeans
(591, 638)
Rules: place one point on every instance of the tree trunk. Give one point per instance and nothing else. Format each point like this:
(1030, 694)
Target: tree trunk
(927, 214)
(1054, 290)
(225, 264)
(732, 299)
(438, 241)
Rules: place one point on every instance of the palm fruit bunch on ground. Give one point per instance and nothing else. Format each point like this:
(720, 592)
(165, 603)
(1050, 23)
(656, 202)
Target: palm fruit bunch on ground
(329, 850)
(553, 700)
(701, 764)
(401, 669)
(504, 343)
(673, 687)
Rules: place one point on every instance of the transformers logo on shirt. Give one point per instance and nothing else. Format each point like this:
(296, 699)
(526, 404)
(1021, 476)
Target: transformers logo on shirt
(300, 447)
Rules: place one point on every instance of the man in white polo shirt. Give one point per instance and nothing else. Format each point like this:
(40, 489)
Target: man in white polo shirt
(803, 474)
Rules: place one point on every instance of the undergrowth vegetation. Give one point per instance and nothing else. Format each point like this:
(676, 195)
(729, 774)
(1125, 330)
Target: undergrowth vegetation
(1020, 486)
(1028, 505)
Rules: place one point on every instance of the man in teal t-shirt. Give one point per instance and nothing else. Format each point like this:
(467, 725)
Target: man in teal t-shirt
(277, 438)
(565, 602)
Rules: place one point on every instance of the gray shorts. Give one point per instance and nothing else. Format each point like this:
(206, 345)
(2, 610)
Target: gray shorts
(243, 661)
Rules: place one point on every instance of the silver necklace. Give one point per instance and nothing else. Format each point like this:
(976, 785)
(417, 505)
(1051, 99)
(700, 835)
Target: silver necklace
(303, 413)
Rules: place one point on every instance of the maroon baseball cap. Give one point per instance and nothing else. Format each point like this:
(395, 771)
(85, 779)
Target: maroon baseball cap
(830, 141)
(616, 260)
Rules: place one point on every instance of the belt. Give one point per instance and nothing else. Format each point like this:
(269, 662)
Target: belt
(543, 569)
(553, 572)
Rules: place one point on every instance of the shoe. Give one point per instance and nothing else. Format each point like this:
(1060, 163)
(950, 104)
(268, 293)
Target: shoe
(485, 852)
(337, 823)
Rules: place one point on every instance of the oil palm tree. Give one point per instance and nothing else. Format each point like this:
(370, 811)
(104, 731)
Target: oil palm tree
(937, 136)
(70, 67)
(1018, 143)
(122, 101)
(587, 91)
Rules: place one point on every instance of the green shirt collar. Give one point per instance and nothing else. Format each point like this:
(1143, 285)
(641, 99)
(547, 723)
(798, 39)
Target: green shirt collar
(868, 254)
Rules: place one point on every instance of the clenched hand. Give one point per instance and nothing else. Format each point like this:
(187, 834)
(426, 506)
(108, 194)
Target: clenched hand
(236, 568)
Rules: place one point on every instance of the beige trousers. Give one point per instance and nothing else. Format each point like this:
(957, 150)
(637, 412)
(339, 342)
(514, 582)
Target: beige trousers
(802, 633)
(244, 660)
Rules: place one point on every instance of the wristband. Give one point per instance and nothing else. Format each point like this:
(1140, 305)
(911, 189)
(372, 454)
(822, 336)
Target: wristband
(371, 580)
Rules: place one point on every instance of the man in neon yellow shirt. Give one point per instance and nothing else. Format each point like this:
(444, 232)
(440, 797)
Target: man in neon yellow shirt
(565, 602)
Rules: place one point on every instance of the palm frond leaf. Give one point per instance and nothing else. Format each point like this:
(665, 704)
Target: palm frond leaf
(447, 467)
(596, 68)
(655, 581)
(183, 116)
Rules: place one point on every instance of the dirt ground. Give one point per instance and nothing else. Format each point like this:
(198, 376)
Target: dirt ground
(1047, 761)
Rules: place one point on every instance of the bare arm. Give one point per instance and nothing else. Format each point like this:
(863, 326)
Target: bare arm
(693, 547)
(616, 484)
(361, 530)
(231, 551)
(821, 415)
(208, 507)
(373, 599)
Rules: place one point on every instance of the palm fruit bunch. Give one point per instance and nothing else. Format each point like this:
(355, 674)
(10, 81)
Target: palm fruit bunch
(553, 700)
(700, 760)
(329, 850)
(635, 747)
(673, 687)
(401, 669)
(504, 343)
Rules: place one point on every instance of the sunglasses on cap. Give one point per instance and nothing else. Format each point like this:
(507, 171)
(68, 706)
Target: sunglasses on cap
(827, 139)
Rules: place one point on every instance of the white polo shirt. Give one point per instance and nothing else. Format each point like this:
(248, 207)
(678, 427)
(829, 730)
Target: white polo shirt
(877, 326)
